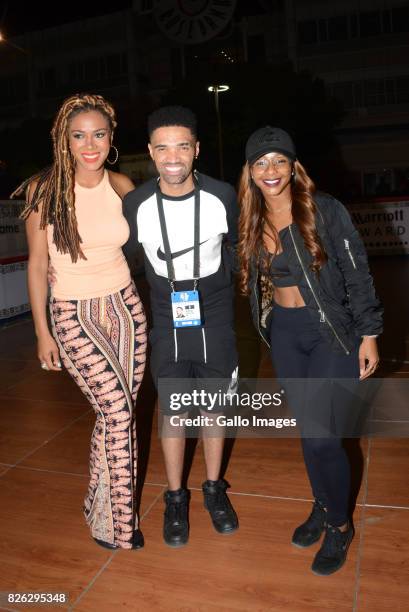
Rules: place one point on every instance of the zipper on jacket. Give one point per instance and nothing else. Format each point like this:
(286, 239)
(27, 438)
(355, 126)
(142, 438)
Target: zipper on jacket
(258, 311)
(323, 317)
(351, 257)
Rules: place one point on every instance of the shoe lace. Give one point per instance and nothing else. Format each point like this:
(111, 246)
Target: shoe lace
(176, 511)
(333, 542)
(218, 501)
(316, 516)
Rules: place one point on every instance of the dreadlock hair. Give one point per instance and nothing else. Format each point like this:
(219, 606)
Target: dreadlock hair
(55, 185)
(172, 115)
(254, 222)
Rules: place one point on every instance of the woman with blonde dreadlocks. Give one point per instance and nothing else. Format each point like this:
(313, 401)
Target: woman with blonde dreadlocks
(74, 219)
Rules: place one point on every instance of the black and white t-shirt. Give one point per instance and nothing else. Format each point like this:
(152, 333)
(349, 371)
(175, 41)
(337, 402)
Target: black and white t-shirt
(218, 238)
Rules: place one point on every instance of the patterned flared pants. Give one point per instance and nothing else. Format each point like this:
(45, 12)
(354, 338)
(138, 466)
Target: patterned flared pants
(102, 343)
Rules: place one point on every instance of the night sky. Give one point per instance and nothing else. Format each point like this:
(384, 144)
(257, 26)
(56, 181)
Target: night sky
(18, 16)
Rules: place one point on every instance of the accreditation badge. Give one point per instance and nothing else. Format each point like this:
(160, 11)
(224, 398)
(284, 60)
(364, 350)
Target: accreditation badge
(186, 309)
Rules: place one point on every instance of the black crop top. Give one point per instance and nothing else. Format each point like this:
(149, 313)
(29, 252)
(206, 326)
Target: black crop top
(280, 272)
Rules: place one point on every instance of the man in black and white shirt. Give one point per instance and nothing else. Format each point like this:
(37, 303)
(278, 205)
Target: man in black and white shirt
(205, 350)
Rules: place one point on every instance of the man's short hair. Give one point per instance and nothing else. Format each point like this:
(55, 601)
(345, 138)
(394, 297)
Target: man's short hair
(172, 115)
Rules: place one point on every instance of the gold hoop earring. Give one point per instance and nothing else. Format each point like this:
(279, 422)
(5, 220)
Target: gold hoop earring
(116, 155)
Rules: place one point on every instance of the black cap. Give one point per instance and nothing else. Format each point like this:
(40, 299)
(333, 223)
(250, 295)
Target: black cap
(269, 140)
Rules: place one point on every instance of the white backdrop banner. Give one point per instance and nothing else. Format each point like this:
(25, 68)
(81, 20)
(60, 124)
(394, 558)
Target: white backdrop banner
(383, 225)
(13, 260)
(12, 233)
(13, 287)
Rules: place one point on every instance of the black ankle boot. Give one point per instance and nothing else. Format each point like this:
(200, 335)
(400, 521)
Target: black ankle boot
(333, 552)
(176, 522)
(310, 531)
(138, 541)
(221, 511)
(106, 544)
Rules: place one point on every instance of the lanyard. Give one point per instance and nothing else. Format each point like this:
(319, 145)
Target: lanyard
(165, 237)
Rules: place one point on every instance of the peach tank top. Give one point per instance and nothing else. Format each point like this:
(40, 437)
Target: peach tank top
(103, 230)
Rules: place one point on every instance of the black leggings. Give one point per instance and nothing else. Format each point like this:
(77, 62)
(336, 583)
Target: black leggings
(299, 351)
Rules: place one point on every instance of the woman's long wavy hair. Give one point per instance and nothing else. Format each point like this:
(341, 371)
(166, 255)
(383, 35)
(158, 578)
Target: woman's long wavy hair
(54, 188)
(254, 223)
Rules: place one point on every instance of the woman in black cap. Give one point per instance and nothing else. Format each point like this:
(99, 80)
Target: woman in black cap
(313, 301)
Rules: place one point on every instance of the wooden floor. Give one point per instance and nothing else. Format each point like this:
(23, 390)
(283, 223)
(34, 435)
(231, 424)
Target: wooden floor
(45, 426)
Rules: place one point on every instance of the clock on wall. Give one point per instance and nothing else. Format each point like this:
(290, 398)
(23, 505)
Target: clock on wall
(191, 22)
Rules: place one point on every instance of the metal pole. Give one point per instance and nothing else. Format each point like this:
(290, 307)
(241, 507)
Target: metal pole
(219, 132)
(183, 61)
(32, 99)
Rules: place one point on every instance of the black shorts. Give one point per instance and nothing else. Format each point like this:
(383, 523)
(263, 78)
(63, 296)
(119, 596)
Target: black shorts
(193, 353)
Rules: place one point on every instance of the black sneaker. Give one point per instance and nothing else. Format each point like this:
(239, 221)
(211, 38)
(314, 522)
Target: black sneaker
(221, 511)
(176, 524)
(333, 552)
(310, 531)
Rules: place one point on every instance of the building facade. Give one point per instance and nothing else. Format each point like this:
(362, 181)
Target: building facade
(359, 48)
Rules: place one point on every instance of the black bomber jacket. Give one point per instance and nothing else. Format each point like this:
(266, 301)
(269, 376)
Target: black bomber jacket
(341, 296)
